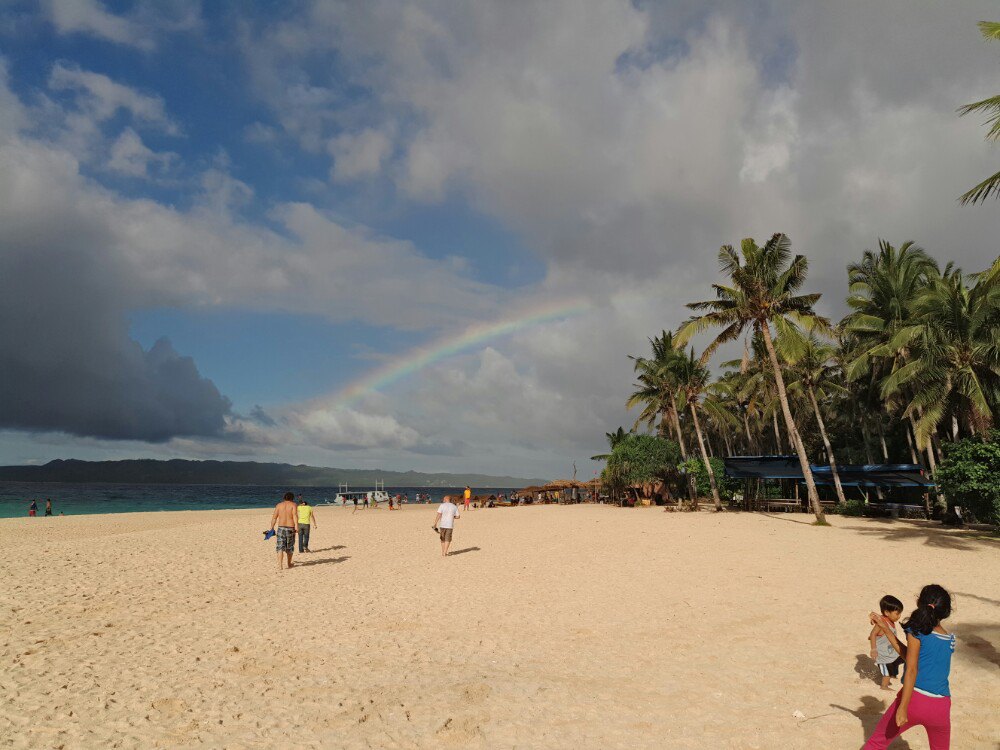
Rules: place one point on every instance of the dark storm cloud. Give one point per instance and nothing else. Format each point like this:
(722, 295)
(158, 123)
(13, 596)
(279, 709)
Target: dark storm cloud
(66, 360)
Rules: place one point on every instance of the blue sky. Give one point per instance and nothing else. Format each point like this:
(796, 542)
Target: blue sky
(210, 207)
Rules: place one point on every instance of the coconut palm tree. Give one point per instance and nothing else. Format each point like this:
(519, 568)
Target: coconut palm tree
(882, 289)
(814, 369)
(954, 369)
(991, 108)
(613, 438)
(657, 387)
(693, 377)
(762, 293)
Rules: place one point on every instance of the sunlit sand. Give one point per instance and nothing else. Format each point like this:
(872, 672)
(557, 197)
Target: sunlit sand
(550, 627)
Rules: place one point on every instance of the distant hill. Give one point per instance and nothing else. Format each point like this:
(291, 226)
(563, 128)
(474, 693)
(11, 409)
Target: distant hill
(180, 471)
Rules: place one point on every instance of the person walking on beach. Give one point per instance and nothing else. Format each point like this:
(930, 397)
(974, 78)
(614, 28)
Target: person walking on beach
(468, 496)
(925, 699)
(444, 522)
(882, 651)
(48, 506)
(307, 520)
(33, 509)
(287, 519)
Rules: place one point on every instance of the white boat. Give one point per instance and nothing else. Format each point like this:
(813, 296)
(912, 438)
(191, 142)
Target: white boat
(346, 496)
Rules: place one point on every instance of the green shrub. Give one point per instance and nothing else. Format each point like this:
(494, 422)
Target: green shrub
(696, 467)
(969, 476)
(852, 508)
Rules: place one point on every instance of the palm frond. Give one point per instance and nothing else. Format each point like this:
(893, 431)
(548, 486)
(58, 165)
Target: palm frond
(982, 191)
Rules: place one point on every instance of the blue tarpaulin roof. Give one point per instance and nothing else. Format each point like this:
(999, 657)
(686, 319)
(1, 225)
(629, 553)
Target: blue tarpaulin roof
(862, 475)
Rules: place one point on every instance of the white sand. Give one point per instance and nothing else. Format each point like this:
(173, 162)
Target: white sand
(556, 627)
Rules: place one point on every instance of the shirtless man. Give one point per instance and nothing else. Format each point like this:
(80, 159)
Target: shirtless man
(286, 516)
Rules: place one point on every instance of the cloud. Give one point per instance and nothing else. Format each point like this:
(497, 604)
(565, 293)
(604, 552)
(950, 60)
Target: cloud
(90, 17)
(357, 155)
(138, 28)
(130, 156)
(101, 98)
(346, 428)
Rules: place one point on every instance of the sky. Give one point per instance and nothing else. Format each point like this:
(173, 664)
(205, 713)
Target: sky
(427, 235)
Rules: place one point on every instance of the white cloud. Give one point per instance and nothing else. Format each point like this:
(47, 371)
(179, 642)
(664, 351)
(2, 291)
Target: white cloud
(138, 28)
(357, 155)
(130, 156)
(90, 17)
(101, 97)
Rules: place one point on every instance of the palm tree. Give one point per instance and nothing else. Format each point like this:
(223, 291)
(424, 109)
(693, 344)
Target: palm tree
(763, 293)
(693, 377)
(613, 438)
(955, 365)
(814, 369)
(990, 107)
(657, 387)
(883, 287)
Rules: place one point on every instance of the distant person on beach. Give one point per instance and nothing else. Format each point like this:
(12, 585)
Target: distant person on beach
(286, 517)
(355, 504)
(925, 699)
(444, 522)
(307, 520)
(887, 659)
(33, 509)
(366, 501)
(468, 496)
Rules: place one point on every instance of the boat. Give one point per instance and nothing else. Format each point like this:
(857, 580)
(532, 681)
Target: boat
(346, 495)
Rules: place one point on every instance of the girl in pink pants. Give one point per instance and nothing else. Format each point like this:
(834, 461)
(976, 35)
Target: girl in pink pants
(925, 699)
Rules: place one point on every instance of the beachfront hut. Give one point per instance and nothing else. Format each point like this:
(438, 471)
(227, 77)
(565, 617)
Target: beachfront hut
(906, 483)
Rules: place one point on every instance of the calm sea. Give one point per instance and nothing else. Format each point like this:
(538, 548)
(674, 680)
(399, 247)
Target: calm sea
(75, 499)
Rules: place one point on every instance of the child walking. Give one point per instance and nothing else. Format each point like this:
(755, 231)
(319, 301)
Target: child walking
(887, 659)
(925, 698)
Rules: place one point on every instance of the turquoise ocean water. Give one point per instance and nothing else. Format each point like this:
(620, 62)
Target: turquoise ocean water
(76, 499)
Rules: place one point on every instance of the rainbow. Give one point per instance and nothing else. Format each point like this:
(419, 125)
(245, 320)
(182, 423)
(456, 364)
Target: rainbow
(419, 358)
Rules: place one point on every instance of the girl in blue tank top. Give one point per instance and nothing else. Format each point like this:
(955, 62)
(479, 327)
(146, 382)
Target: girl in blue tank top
(925, 698)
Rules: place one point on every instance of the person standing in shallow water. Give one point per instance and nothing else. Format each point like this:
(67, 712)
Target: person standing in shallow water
(33, 509)
(48, 506)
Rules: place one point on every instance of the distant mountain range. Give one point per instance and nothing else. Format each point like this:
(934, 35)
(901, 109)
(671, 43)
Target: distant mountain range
(180, 471)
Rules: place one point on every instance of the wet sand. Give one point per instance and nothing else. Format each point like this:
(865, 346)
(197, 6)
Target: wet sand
(551, 627)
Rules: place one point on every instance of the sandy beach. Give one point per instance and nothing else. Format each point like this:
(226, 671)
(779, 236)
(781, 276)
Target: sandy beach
(551, 627)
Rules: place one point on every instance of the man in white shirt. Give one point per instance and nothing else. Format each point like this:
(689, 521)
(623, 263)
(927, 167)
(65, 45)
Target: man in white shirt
(444, 524)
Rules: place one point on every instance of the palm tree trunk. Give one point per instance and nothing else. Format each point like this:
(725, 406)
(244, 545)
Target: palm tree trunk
(779, 380)
(692, 494)
(666, 420)
(777, 433)
(881, 437)
(725, 439)
(914, 442)
(746, 426)
(704, 457)
(909, 441)
(931, 462)
(829, 449)
(680, 435)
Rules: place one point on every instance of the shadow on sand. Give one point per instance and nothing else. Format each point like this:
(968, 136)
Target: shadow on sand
(930, 533)
(868, 713)
(865, 668)
(463, 551)
(330, 549)
(325, 561)
(981, 640)
(807, 519)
